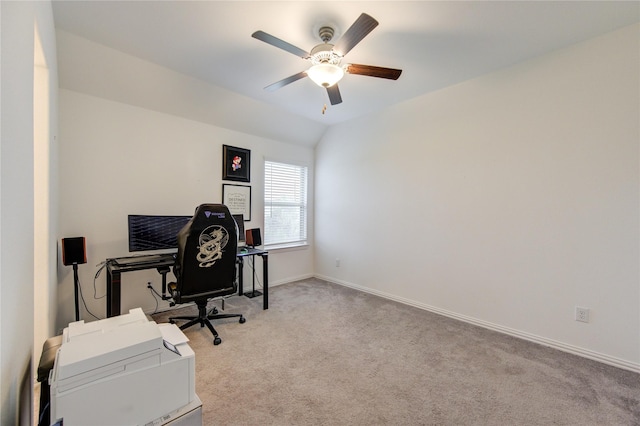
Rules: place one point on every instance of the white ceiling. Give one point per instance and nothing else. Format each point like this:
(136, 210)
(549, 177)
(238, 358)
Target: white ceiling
(435, 43)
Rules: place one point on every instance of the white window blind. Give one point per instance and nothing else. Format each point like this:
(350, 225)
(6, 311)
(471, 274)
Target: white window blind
(285, 204)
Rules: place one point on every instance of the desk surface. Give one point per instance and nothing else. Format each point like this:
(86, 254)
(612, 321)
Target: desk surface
(148, 261)
(250, 251)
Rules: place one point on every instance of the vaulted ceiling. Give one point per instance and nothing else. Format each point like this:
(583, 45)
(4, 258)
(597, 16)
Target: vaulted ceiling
(435, 43)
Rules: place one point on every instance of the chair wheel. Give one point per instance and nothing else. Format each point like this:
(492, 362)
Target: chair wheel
(242, 320)
(217, 341)
(171, 321)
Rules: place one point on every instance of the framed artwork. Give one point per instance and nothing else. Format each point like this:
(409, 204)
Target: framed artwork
(236, 163)
(238, 199)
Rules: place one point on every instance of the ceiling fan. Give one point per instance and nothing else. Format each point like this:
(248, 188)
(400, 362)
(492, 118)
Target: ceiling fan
(325, 58)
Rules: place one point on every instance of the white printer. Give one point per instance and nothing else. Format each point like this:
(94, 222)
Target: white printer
(124, 370)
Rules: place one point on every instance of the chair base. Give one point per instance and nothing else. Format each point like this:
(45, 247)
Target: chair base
(204, 319)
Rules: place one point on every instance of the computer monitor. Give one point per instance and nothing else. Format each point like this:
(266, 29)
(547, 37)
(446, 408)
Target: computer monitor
(154, 232)
(240, 221)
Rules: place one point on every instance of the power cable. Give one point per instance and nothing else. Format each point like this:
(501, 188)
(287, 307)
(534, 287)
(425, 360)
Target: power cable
(155, 295)
(255, 274)
(102, 265)
(84, 303)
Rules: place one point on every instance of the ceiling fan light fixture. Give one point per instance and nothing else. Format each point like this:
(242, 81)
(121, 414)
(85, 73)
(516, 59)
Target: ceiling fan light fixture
(325, 75)
(325, 58)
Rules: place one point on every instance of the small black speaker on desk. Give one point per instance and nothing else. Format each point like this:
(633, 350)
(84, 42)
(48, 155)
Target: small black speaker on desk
(253, 237)
(74, 251)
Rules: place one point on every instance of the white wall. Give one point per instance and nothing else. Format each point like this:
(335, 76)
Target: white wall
(45, 190)
(97, 70)
(505, 201)
(117, 159)
(19, 21)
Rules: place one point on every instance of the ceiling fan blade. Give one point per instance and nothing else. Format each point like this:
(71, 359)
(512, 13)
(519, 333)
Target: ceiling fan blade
(334, 94)
(356, 32)
(285, 81)
(370, 70)
(281, 44)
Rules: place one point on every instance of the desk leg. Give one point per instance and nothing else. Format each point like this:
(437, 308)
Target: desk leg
(265, 277)
(240, 275)
(113, 293)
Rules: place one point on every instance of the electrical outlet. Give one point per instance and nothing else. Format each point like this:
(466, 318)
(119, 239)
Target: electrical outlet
(337, 263)
(582, 314)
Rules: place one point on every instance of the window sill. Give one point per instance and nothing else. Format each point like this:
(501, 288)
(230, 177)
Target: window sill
(287, 247)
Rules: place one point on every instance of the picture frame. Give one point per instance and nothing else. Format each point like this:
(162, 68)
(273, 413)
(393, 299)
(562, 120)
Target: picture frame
(237, 198)
(236, 164)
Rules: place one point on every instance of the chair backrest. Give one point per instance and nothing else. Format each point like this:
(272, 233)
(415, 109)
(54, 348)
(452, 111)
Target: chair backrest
(206, 260)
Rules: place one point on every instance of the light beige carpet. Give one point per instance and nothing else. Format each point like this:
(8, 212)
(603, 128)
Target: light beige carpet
(324, 354)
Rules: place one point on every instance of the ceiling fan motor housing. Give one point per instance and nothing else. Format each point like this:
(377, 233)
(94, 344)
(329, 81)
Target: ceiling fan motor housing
(324, 54)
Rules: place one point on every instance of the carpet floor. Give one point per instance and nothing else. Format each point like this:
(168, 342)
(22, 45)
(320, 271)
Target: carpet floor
(324, 354)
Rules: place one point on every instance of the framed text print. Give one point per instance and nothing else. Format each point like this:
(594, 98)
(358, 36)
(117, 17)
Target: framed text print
(238, 199)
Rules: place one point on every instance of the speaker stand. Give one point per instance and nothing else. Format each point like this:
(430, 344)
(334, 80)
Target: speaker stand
(75, 290)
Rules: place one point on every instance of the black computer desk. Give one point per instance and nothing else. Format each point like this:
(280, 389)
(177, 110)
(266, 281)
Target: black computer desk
(163, 263)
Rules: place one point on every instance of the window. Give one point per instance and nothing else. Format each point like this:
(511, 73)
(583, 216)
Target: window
(285, 204)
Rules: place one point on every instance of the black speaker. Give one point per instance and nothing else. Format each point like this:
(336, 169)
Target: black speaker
(74, 251)
(253, 237)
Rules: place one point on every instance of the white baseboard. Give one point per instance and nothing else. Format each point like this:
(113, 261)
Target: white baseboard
(575, 350)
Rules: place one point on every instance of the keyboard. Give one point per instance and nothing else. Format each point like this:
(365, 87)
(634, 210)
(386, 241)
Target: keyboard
(140, 260)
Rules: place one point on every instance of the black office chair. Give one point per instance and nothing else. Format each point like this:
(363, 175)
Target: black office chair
(206, 264)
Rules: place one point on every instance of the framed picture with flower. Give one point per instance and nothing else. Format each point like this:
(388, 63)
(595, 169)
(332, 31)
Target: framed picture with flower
(236, 163)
